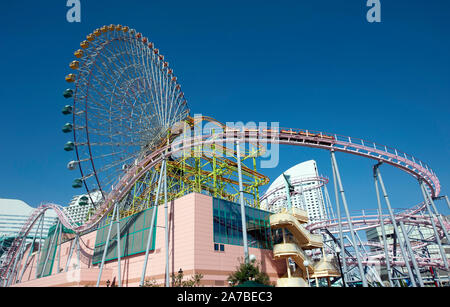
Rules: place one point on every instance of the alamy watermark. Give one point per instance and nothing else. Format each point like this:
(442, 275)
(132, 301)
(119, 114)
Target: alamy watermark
(374, 13)
(74, 13)
(208, 139)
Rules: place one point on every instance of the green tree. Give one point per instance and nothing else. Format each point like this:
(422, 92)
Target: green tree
(248, 271)
(194, 281)
(150, 283)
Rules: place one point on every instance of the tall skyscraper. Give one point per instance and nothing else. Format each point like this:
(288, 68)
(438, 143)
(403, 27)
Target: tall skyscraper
(304, 197)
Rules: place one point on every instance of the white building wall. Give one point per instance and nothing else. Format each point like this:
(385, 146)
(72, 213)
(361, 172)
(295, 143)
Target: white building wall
(14, 213)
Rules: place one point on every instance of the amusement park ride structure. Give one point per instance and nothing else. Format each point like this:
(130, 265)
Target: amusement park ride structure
(129, 118)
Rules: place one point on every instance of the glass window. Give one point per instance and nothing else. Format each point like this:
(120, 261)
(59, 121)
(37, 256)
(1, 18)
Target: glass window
(134, 232)
(227, 225)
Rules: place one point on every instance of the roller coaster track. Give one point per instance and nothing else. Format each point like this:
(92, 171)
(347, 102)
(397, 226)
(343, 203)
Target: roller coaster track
(364, 222)
(296, 137)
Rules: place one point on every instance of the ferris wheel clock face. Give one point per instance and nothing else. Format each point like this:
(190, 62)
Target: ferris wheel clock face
(125, 97)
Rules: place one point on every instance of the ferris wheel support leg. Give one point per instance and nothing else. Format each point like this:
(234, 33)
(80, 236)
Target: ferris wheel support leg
(341, 236)
(241, 199)
(166, 211)
(397, 232)
(436, 233)
(119, 271)
(106, 246)
(152, 223)
(344, 202)
(31, 250)
(383, 232)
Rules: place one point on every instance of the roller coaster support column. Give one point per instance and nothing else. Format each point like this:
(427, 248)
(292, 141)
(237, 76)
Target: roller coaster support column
(49, 250)
(437, 215)
(78, 252)
(288, 188)
(427, 251)
(19, 260)
(119, 271)
(411, 252)
(327, 201)
(344, 202)
(152, 223)
(241, 198)
(397, 233)
(341, 236)
(383, 231)
(448, 202)
(166, 210)
(72, 247)
(59, 248)
(106, 246)
(11, 275)
(31, 249)
(40, 243)
(436, 233)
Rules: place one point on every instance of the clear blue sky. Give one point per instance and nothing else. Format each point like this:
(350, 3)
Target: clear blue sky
(308, 64)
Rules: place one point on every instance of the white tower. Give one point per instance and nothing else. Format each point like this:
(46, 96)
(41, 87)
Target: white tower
(305, 198)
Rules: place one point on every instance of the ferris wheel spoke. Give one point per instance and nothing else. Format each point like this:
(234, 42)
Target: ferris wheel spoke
(150, 77)
(105, 99)
(117, 70)
(115, 164)
(129, 87)
(150, 86)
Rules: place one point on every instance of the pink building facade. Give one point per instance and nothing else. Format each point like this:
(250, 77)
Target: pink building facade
(191, 248)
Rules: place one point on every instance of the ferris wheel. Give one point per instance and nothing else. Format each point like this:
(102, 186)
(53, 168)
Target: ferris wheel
(125, 99)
